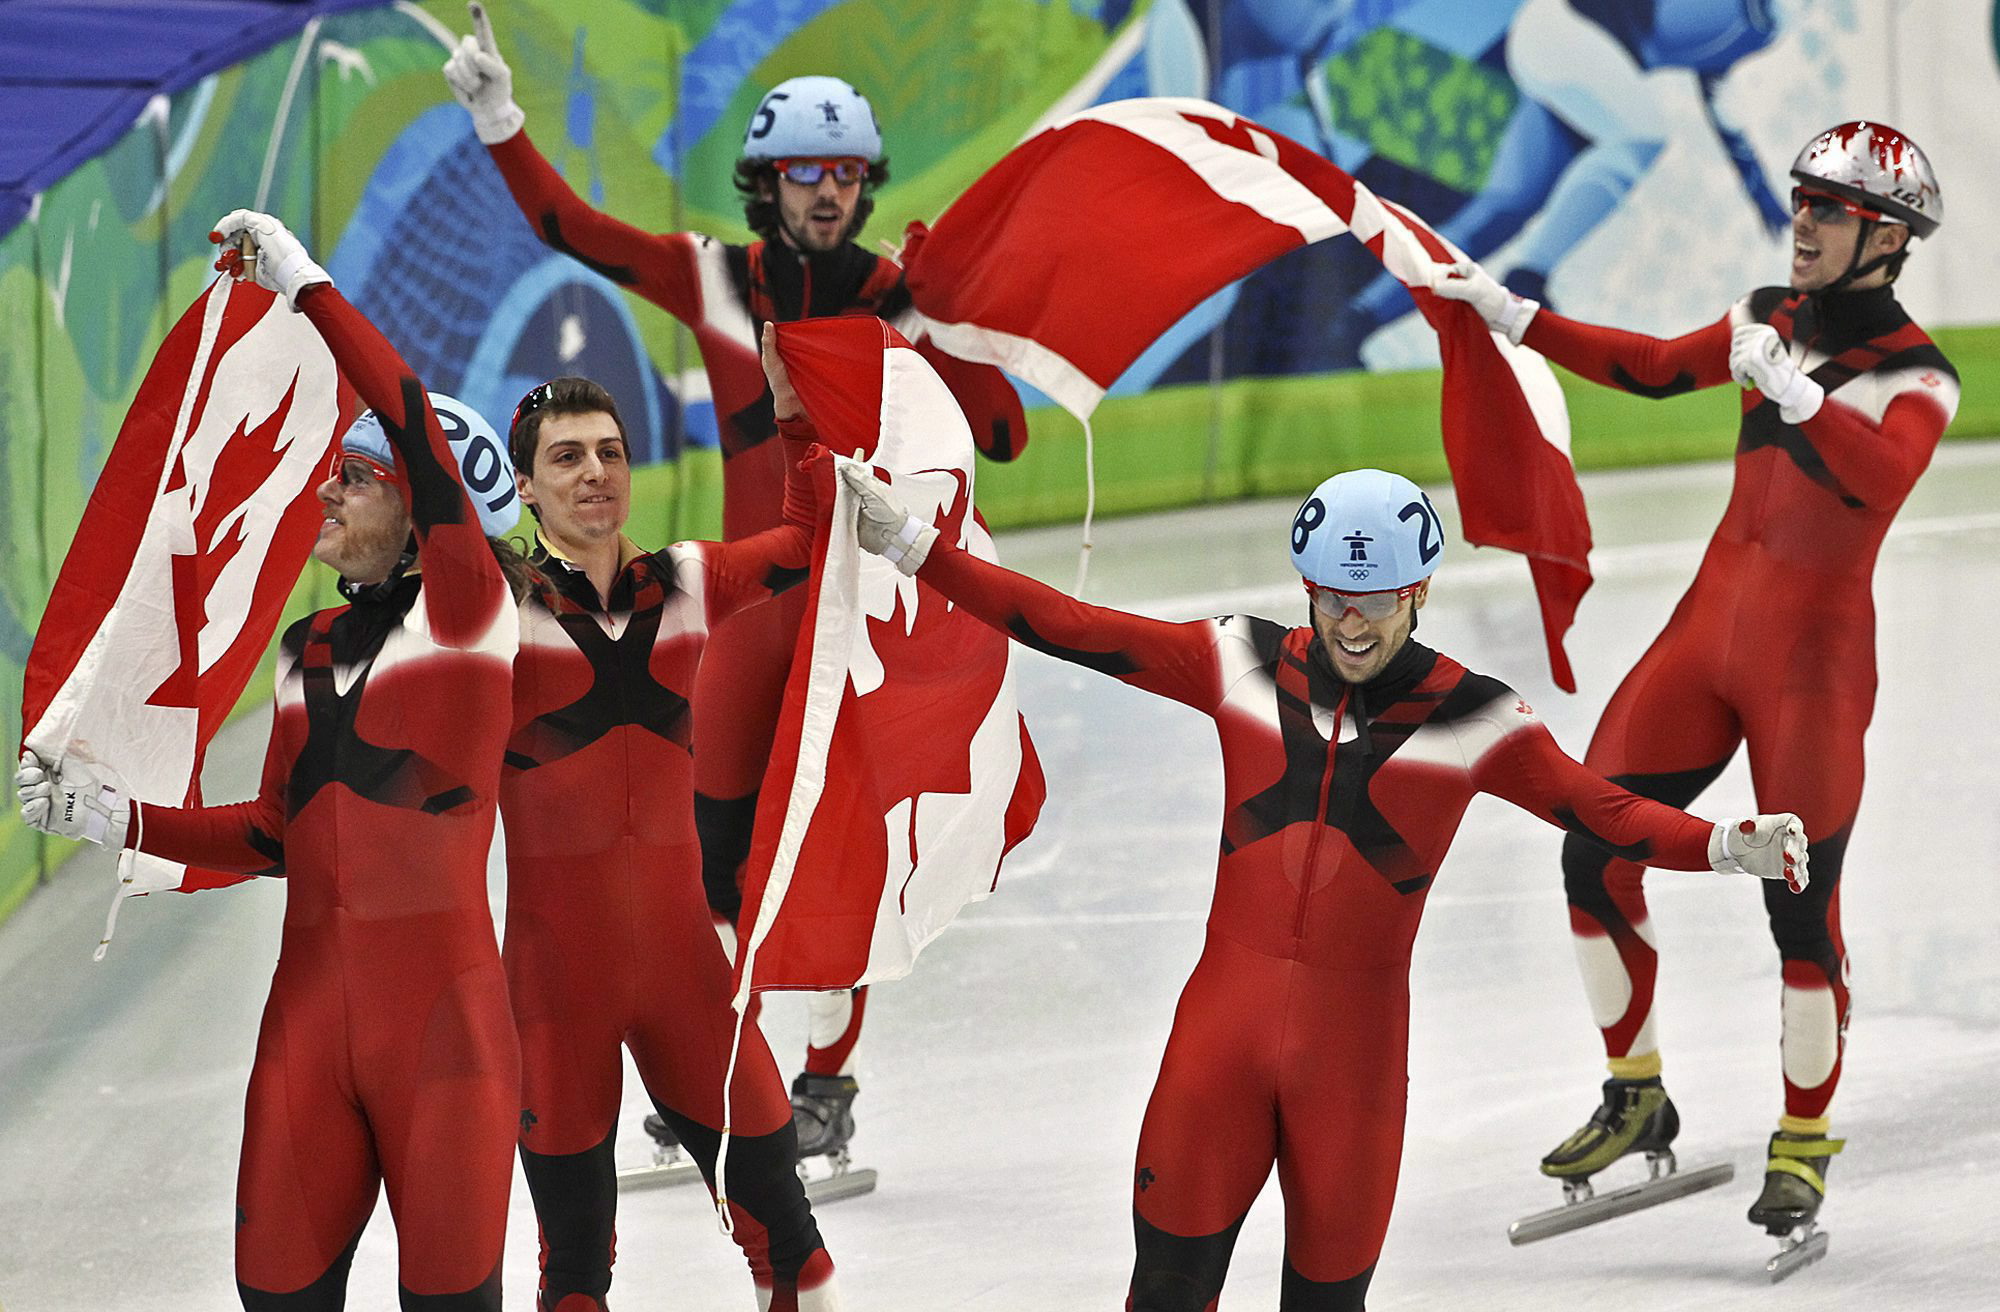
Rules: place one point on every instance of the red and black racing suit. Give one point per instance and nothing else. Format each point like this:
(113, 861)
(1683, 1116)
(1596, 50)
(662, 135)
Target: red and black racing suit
(387, 1056)
(608, 932)
(725, 294)
(1290, 1041)
(1773, 645)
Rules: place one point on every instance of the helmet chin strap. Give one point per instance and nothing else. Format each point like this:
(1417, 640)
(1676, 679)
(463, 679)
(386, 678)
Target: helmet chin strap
(1856, 269)
(381, 589)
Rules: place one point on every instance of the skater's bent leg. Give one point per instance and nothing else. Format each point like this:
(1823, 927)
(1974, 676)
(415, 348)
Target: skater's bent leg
(833, 1027)
(576, 1206)
(1806, 927)
(1665, 735)
(308, 1175)
(1806, 757)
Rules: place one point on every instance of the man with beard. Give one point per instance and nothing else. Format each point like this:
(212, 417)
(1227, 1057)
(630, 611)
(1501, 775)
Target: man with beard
(812, 159)
(1350, 752)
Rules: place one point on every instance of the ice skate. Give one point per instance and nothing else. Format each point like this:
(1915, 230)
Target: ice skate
(823, 1115)
(1636, 1116)
(670, 1165)
(1794, 1187)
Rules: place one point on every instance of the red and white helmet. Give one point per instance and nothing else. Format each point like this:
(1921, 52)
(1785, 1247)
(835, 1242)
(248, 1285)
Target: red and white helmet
(1875, 166)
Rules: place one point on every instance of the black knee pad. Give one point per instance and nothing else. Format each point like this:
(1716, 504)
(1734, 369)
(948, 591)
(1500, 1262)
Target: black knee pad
(763, 1181)
(326, 1294)
(1298, 1294)
(1800, 923)
(576, 1204)
(1178, 1273)
(724, 826)
(483, 1297)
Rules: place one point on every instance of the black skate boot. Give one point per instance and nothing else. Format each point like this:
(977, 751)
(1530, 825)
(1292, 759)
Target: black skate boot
(823, 1114)
(1794, 1187)
(1636, 1117)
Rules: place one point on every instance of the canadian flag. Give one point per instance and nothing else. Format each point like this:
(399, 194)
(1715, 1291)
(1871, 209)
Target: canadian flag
(1070, 256)
(902, 772)
(191, 542)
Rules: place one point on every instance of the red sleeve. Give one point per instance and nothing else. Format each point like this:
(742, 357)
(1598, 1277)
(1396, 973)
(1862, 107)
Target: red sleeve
(463, 583)
(244, 838)
(1877, 463)
(1173, 660)
(746, 571)
(658, 266)
(1527, 768)
(1633, 362)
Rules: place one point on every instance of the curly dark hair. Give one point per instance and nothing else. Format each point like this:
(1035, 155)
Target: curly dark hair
(755, 177)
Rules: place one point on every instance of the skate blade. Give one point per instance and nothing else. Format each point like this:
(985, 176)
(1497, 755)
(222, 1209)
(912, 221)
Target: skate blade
(1795, 1255)
(1617, 1203)
(839, 1185)
(663, 1175)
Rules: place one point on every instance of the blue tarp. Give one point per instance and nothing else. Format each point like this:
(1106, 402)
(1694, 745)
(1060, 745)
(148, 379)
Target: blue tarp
(75, 76)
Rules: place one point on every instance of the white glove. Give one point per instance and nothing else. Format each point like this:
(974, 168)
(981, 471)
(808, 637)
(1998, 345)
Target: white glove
(258, 247)
(1758, 358)
(481, 81)
(1503, 311)
(1767, 846)
(885, 527)
(94, 812)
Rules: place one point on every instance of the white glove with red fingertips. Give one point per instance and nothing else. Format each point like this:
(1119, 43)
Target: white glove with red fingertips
(481, 81)
(1767, 846)
(258, 247)
(1503, 311)
(86, 812)
(885, 527)
(1758, 358)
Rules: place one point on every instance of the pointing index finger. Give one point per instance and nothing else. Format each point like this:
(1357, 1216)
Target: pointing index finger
(482, 27)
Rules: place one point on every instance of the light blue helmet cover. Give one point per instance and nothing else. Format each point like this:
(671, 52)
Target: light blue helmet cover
(812, 118)
(1367, 530)
(483, 465)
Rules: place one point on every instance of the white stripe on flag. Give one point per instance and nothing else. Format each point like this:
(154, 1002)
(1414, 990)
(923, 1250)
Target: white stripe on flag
(1256, 181)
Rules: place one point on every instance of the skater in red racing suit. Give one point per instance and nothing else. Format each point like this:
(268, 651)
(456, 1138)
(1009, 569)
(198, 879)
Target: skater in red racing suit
(812, 158)
(608, 933)
(387, 1056)
(1773, 646)
(1349, 754)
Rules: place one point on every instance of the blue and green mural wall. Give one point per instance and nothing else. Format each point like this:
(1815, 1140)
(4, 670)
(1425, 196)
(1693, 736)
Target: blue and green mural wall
(1622, 159)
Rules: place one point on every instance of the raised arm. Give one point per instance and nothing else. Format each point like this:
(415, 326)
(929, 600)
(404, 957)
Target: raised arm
(659, 267)
(464, 588)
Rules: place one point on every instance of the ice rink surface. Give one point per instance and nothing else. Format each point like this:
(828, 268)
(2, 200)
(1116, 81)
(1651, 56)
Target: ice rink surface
(1003, 1083)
